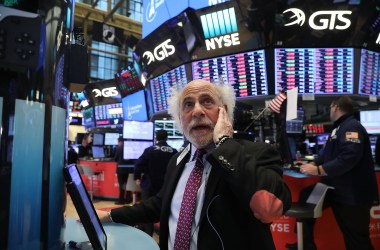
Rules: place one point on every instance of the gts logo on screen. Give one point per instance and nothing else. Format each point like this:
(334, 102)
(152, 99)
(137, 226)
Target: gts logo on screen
(106, 92)
(161, 52)
(321, 20)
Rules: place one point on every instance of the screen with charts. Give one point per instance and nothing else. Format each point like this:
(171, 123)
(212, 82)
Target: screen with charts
(170, 127)
(315, 70)
(88, 117)
(369, 79)
(85, 208)
(246, 72)
(136, 130)
(370, 119)
(127, 81)
(134, 149)
(111, 139)
(161, 85)
(109, 115)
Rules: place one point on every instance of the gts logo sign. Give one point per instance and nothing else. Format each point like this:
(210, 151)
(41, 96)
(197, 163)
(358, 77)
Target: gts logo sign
(106, 92)
(161, 52)
(321, 20)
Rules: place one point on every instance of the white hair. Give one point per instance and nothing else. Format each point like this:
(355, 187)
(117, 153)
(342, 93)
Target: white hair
(224, 91)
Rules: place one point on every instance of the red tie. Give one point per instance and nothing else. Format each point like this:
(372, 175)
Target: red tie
(186, 214)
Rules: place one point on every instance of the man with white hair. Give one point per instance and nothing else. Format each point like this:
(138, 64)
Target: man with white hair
(219, 192)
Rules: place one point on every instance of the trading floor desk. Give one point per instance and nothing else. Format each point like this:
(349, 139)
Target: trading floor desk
(327, 234)
(105, 183)
(119, 236)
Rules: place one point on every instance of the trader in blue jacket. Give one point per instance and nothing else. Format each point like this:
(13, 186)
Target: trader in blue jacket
(240, 189)
(346, 164)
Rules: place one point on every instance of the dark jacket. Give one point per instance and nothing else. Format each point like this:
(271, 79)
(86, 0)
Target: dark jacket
(119, 158)
(347, 160)
(153, 163)
(239, 169)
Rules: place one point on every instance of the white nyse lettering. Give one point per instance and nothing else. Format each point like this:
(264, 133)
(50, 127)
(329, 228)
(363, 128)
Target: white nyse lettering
(331, 16)
(223, 41)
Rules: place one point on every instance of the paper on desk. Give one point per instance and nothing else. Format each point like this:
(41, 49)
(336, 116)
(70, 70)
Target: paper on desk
(291, 107)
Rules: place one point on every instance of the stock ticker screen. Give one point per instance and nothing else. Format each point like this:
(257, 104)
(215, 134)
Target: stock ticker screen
(315, 70)
(160, 86)
(369, 80)
(246, 72)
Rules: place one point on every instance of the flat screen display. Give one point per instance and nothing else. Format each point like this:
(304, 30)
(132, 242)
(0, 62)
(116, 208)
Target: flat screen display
(111, 139)
(170, 127)
(127, 81)
(134, 107)
(109, 115)
(175, 143)
(324, 23)
(315, 70)
(369, 79)
(134, 149)
(295, 126)
(245, 71)
(161, 85)
(85, 208)
(88, 117)
(98, 151)
(98, 139)
(370, 119)
(322, 139)
(135, 130)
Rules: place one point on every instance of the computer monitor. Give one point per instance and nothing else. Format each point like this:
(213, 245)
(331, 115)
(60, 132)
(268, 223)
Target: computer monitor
(136, 130)
(111, 139)
(85, 208)
(98, 152)
(134, 149)
(98, 139)
(370, 119)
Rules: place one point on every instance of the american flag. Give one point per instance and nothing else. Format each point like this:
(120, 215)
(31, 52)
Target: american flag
(275, 104)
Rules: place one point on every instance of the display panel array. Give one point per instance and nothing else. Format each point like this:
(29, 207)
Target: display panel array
(315, 70)
(109, 115)
(369, 80)
(161, 85)
(246, 72)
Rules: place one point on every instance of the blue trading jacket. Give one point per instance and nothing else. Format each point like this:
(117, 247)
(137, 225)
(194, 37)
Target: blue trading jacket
(347, 160)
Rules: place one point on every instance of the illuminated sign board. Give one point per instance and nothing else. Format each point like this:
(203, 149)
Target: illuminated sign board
(220, 29)
(321, 20)
(157, 12)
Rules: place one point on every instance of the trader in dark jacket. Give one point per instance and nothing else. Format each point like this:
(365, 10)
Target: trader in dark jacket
(150, 170)
(241, 189)
(346, 161)
(122, 172)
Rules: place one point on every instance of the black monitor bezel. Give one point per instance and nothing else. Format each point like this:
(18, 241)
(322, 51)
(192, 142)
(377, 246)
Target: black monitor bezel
(82, 211)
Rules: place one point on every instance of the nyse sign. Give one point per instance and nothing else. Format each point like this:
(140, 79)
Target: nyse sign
(161, 52)
(321, 20)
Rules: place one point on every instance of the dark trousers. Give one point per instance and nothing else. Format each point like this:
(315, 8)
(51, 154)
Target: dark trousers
(122, 178)
(146, 227)
(353, 221)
